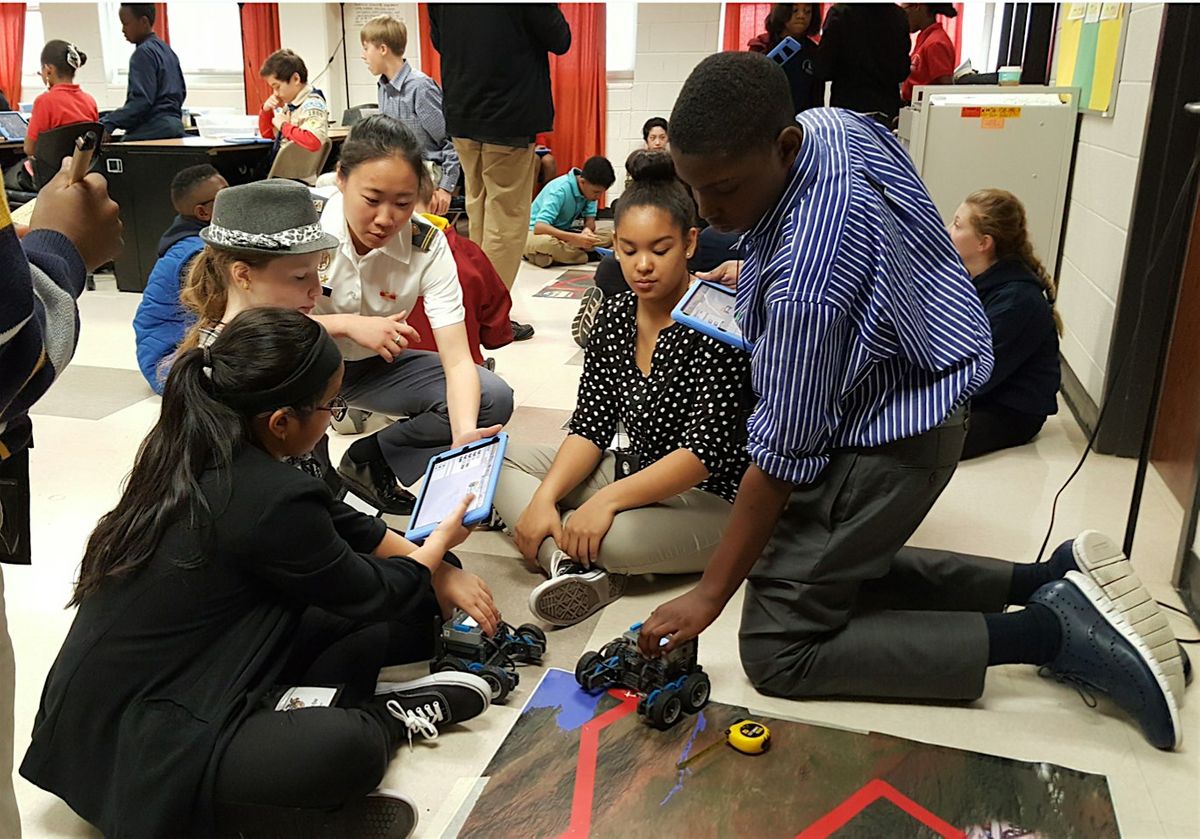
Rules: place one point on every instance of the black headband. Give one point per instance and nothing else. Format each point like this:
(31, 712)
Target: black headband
(320, 363)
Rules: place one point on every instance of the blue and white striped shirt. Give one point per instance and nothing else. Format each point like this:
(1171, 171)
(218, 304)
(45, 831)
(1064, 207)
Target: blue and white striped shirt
(866, 327)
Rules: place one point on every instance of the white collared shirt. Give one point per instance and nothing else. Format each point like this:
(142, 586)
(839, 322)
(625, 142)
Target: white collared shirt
(387, 280)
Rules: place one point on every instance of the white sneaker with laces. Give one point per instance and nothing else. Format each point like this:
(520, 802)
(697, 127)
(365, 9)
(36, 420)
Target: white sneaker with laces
(574, 593)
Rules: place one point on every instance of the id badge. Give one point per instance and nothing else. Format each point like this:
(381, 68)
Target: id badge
(627, 463)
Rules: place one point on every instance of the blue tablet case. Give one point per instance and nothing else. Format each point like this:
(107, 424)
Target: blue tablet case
(480, 513)
(785, 50)
(680, 316)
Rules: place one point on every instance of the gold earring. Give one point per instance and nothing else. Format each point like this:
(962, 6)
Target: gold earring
(245, 286)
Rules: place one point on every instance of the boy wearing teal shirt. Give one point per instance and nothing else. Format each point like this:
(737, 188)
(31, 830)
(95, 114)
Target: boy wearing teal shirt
(555, 235)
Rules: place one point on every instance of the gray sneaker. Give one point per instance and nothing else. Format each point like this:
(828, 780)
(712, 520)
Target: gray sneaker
(585, 318)
(573, 592)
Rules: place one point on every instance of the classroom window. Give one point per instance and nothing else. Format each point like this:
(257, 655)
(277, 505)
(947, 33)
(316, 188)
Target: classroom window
(620, 37)
(35, 39)
(191, 29)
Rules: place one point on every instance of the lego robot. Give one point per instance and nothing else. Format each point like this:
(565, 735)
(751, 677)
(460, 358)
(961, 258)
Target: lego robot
(461, 645)
(670, 686)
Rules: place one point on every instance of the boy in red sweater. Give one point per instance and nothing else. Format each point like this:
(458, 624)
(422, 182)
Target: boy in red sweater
(295, 112)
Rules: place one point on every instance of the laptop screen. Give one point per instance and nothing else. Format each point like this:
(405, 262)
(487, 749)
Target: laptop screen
(12, 125)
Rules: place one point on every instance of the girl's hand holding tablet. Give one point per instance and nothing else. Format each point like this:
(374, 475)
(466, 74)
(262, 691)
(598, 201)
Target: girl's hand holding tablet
(452, 532)
(388, 336)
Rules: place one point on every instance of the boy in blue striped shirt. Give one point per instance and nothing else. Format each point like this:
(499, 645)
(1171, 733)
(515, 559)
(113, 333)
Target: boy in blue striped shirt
(868, 343)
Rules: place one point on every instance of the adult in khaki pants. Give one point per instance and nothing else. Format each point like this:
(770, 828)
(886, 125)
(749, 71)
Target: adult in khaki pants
(562, 224)
(496, 81)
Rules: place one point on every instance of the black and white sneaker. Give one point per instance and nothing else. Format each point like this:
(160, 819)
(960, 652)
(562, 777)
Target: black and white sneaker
(574, 593)
(585, 318)
(425, 705)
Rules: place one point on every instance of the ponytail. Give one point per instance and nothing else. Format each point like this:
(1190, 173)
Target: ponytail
(1001, 215)
(197, 431)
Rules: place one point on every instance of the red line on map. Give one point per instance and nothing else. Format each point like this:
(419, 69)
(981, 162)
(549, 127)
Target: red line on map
(839, 816)
(585, 767)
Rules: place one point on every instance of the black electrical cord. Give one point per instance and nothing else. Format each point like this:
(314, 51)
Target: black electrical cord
(1120, 366)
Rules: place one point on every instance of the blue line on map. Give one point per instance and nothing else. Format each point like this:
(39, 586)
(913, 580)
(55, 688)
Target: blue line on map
(701, 725)
(560, 690)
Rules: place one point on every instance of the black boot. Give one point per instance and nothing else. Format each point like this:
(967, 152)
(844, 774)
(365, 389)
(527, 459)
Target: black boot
(375, 483)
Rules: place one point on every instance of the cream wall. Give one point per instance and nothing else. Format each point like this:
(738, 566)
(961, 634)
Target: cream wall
(1106, 171)
(672, 38)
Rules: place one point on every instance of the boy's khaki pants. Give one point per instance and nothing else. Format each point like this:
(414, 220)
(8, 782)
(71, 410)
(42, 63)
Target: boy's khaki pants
(499, 185)
(543, 249)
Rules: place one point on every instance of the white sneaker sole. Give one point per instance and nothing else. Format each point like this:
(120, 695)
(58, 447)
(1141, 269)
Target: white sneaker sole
(466, 680)
(567, 599)
(1102, 561)
(585, 318)
(1112, 615)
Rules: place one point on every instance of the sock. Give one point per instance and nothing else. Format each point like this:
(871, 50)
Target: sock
(1029, 636)
(1028, 577)
(365, 450)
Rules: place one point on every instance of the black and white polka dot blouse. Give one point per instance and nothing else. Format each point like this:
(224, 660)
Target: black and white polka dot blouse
(697, 396)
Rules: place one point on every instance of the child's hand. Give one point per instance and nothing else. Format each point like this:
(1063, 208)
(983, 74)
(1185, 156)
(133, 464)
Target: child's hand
(540, 520)
(459, 589)
(585, 530)
(272, 103)
(726, 274)
(278, 119)
(452, 532)
(585, 240)
(387, 336)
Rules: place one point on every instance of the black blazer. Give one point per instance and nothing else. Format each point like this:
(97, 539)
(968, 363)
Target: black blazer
(160, 668)
(864, 52)
(495, 69)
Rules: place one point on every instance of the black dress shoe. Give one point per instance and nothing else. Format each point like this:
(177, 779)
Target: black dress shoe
(1100, 651)
(521, 331)
(375, 483)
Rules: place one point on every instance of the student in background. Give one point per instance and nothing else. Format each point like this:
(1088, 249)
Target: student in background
(4, 106)
(562, 223)
(683, 398)
(656, 133)
(800, 22)
(75, 228)
(990, 234)
(933, 54)
(864, 53)
(153, 108)
(869, 341)
(410, 96)
(223, 577)
(496, 75)
(161, 320)
(295, 112)
(64, 102)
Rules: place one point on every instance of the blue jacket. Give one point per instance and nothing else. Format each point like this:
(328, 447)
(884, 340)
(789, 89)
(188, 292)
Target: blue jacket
(1026, 375)
(161, 321)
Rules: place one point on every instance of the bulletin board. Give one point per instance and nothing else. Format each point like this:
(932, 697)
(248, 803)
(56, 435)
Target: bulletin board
(1090, 46)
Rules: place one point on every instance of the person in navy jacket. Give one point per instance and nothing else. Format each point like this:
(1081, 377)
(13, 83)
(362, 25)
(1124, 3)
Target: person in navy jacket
(161, 321)
(990, 234)
(153, 108)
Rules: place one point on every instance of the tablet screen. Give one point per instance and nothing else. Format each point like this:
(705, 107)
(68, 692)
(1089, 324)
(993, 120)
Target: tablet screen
(12, 126)
(454, 477)
(714, 307)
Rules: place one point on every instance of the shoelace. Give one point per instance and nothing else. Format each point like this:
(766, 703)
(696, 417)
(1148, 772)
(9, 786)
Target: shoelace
(561, 564)
(1083, 687)
(419, 720)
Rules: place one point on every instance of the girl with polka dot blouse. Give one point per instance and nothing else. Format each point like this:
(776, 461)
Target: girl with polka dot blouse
(589, 517)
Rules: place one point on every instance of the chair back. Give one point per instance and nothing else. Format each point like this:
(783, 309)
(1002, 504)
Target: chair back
(53, 145)
(296, 163)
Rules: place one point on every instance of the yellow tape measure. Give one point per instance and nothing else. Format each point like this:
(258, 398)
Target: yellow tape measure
(748, 737)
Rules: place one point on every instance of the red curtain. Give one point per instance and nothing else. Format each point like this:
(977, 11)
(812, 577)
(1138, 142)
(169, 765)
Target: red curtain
(260, 38)
(578, 82)
(161, 27)
(431, 60)
(12, 48)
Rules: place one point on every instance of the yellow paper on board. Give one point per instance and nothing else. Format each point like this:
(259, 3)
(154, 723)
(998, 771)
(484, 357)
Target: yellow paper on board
(1068, 50)
(1108, 44)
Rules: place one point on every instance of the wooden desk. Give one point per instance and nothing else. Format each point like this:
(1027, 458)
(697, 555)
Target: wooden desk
(139, 179)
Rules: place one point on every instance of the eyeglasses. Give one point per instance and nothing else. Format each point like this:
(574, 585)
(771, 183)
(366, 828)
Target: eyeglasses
(337, 408)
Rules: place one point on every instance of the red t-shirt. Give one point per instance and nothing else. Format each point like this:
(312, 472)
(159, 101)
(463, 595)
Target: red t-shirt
(932, 58)
(62, 104)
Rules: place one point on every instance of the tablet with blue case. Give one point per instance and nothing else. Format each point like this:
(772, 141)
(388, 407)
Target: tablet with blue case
(784, 51)
(603, 251)
(709, 308)
(475, 469)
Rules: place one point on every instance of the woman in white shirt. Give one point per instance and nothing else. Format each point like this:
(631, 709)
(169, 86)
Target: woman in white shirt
(386, 259)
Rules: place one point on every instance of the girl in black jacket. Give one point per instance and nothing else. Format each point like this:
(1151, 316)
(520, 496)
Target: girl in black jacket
(224, 576)
(990, 234)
